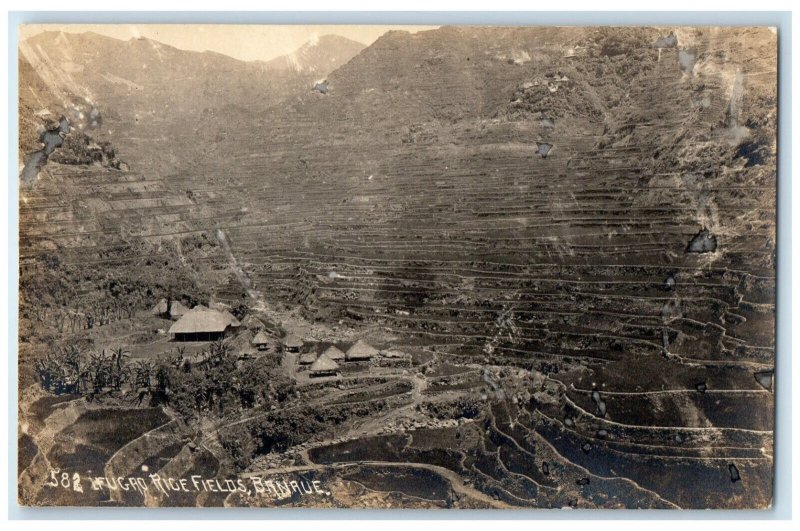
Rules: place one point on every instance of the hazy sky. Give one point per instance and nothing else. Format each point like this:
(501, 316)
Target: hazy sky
(246, 42)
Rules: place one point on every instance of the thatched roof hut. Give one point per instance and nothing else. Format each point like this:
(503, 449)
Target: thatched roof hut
(261, 339)
(334, 353)
(202, 324)
(324, 366)
(360, 351)
(162, 308)
(176, 310)
(242, 344)
(308, 358)
(251, 322)
(234, 321)
(292, 343)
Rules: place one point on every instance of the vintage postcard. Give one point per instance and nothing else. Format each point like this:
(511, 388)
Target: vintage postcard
(397, 266)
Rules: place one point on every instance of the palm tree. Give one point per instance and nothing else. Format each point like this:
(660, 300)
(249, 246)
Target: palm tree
(218, 352)
(143, 374)
(118, 357)
(180, 361)
(70, 366)
(100, 371)
(71, 357)
(219, 347)
(162, 380)
(143, 371)
(47, 370)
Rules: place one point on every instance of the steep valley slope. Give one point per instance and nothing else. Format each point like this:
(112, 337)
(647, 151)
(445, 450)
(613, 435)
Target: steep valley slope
(572, 202)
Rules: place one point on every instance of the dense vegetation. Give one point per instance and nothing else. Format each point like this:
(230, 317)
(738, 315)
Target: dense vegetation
(212, 382)
(61, 297)
(279, 430)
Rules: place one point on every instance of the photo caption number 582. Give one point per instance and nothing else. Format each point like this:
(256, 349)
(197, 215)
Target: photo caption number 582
(63, 480)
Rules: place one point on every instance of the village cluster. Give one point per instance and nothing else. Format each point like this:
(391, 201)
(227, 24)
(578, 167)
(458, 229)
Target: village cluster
(216, 323)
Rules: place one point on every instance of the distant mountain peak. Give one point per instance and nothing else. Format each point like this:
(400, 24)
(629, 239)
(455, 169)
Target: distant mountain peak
(337, 40)
(320, 55)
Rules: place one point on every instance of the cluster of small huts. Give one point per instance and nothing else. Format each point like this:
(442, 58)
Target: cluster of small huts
(202, 323)
(327, 363)
(263, 342)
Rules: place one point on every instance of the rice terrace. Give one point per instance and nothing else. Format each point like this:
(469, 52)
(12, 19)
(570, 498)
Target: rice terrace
(397, 267)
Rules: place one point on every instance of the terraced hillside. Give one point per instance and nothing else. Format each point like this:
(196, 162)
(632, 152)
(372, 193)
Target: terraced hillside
(150, 95)
(572, 227)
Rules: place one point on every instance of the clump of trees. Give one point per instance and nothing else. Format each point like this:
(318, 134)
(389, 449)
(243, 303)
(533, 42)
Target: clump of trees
(215, 383)
(81, 149)
(212, 382)
(74, 371)
(67, 297)
(283, 428)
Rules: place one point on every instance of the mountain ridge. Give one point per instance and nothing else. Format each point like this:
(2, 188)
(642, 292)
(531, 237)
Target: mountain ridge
(522, 200)
(146, 89)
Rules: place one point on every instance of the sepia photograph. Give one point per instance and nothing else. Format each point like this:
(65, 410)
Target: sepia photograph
(396, 266)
